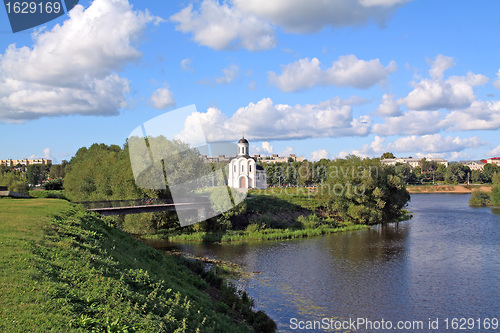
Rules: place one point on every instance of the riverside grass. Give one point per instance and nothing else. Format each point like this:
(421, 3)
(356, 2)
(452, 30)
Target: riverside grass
(232, 236)
(76, 272)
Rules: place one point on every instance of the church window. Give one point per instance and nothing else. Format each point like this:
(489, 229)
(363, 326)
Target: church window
(250, 168)
(235, 168)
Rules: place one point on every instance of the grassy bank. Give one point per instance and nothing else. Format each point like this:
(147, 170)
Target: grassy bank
(76, 272)
(234, 236)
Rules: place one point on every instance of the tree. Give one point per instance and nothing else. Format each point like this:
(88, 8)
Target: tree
(387, 155)
(34, 174)
(403, 171)
(364, 191)
(495, 191)
(488, 171)
(456, 173)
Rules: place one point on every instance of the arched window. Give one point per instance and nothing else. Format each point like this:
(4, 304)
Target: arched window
(242, 168)
(234, 168)
(250, 168)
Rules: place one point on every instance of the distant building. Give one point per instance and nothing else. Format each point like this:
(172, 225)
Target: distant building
(275, 158)
(26, 162)
(244, 172)
(493, 160)
(474, 165)
(412, 162)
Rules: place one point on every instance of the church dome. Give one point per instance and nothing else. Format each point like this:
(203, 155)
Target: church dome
(243, 140)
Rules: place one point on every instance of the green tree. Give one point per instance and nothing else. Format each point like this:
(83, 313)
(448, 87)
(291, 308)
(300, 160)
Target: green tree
(35, 174)
(495, 192)
(488, 171)
(403, 170)
(364, 191)
(387, 155)
(456, 173)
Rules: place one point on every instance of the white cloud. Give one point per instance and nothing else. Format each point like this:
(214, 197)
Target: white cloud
(347, 71)
(495, 151)
(265, 120)
(225, 27)
(186, 65)
(267, 147)
(320, 154)
(70, 69)
(388, 106)
(228, 75)
(286, 152)
(457, 92)
(310, 16)
(434, 145)
(481, 115)
(410, 123)
(497, 81)
(162, 98)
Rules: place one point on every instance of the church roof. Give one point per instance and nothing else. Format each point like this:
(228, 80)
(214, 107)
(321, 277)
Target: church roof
(243, 140)
(259, 167)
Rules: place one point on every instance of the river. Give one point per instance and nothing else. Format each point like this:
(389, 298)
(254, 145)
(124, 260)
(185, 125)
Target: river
(442, 264)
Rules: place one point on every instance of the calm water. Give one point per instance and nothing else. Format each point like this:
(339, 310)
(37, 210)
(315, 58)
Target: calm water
(443, 263)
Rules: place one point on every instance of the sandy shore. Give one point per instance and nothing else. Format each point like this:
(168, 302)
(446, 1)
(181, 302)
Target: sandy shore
(447, 188)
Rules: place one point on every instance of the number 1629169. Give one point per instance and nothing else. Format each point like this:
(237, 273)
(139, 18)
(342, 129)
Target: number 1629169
(33, 7)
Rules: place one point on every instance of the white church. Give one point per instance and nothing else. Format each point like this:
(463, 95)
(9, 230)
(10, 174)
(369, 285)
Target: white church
(244, 172)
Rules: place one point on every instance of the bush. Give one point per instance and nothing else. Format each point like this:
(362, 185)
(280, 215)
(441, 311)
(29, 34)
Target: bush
(479, 198)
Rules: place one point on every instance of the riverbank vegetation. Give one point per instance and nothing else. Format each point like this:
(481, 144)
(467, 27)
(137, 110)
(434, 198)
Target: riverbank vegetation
(480, 198)
(353, 191)
(76, 272)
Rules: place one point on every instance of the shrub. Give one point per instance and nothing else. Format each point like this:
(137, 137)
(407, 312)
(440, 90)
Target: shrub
(479, 198)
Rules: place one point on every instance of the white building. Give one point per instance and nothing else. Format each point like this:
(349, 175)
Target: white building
(244, 172)
(412, 162)
(475, 165)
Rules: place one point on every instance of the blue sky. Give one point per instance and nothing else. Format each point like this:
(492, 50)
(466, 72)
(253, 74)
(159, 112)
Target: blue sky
(321, 79)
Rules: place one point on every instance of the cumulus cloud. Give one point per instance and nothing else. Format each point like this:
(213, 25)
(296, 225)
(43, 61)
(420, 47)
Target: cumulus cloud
(347, 71)
(222, 26)
(162, 98)
(495, 151)
(319, 155)
(481, 115)
(265, 120)
(186, 65)
(388, 106)
(70, 69)
(410, 123)
(265, 148)
(427, 145)
(300, 16)
(228, 75)
(456, 92)
(434, 143)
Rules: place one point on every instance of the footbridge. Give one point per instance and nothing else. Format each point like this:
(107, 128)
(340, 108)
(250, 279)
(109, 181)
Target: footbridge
(136, 206)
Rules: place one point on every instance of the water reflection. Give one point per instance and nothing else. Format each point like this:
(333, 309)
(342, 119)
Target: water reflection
(445, 262)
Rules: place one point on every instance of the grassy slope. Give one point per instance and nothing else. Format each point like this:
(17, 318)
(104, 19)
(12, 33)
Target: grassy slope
(78, 273)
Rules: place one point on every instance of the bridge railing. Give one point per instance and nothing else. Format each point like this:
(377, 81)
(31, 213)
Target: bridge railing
(141, 202)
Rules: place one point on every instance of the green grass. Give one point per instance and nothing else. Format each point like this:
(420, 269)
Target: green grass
(235, 236)
(54, 194)
(76, 272)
